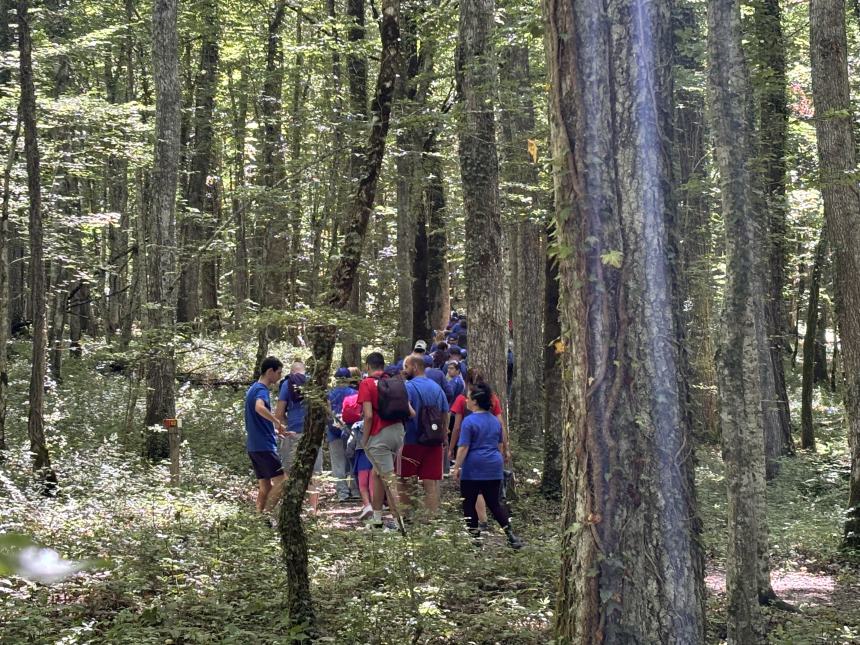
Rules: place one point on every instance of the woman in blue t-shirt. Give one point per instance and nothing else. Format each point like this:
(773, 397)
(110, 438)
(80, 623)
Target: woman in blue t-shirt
(480, 465)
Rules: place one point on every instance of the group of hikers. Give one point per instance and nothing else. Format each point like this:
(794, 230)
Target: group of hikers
(424, 417)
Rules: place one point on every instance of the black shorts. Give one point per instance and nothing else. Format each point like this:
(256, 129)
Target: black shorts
(267, 464)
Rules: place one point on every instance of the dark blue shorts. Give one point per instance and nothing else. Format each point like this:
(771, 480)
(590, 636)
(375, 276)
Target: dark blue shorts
(267, 464)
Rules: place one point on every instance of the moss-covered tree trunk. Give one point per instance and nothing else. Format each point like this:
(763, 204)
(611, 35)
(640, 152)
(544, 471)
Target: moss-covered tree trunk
(322, 337)
(838, 163)
(160, 227)
(479, 169)
(631, 565)
(743, 323)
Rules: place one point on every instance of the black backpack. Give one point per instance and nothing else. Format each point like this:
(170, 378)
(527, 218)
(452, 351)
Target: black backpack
(430, 429)
(393, 399)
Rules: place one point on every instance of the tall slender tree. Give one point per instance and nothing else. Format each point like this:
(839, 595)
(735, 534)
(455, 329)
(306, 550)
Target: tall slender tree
(631, 565)
(479, 169)
(38, 291)
(837, 163)
(160, 239)
(345, 273)
(743, 322)
(807, 431)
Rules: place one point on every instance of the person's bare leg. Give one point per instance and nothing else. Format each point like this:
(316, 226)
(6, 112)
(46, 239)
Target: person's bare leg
(277, 489)
(431, 495)
(481, 509)
(378, 489)
(263, 488)
(314, 496)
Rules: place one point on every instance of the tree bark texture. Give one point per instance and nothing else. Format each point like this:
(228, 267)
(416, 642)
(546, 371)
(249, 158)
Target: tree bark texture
(297, 134)
(553, 422)
(519, 170)
(239, 117)
(38, 291)
(161, 229)
(819, 370)
(694, 206)
(632, 569)
(436, 215)
(773, 118)
(479, 169)
(841, 195)
(322, 337)
(807, 430)
(5, 239)
(743, 322)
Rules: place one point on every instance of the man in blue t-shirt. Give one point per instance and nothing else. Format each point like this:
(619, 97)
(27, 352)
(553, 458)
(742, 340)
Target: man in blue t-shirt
(417, 460)
(292, 409)
(340, 465)
(261, 426)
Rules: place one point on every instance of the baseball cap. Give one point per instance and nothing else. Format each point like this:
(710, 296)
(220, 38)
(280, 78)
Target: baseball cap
(342, 372)
(420, 346)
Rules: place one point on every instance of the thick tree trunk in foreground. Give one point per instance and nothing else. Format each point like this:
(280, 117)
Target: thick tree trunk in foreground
(743, 321)
(436, 215)
(293, 539)
(807, 430)
(479, 168)
(161, 229)
(38, 291)
(841, 194)
(631, 565)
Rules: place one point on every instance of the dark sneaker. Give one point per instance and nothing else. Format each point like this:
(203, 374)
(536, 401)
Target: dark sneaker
(513, 541)
(483, 526)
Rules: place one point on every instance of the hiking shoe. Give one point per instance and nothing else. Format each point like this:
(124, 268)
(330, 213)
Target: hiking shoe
(268, 522)
(513, 541)
(366, 512)
(483, 526)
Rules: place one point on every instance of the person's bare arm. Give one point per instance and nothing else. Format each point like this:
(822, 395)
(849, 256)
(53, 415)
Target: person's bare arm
(462, 451)
(261, 409)
(367, 413)
(455, 434)
(506, 445)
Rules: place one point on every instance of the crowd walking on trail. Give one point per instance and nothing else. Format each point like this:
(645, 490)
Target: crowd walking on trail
(395, 431)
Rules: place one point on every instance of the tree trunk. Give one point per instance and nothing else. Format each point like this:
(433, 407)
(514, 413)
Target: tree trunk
(820, 374)
(694, 205)
(5, 239)
(632, 569)
(837, 163)
(420, 271)
(807, 431)
(38, 291)
(519, 169)
(550, 483)
(436, 214)
(297, 125)
(479, 169)
(160, 228)
(196, 222)
(773, 115)
(295, 550)
(239, 115)
(743, 322)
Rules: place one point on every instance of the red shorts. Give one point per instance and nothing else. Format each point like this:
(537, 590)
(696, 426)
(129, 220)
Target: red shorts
(424, 462)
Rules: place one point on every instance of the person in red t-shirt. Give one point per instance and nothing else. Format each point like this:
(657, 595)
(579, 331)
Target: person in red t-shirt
(382, 442)
(459, 411)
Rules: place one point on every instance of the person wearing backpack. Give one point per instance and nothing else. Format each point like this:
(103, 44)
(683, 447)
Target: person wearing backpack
(336, 436)
(423, 443)
(385, 408)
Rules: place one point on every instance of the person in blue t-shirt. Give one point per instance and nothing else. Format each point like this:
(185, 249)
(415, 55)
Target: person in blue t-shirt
(261, 426)
(292, 409)
(480, 464)
(336, 437)
(416, 459)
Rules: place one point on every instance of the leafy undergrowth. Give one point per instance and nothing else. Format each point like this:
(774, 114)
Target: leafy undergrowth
(194, 564)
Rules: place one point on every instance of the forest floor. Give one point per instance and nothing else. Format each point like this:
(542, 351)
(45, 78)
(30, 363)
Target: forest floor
(195, 565)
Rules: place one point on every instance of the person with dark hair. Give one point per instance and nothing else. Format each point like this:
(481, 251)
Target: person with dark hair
(336, 436)
(262, 426)
(480, 466)
(382, 441)
(460, 411)
(441, 355)
(292, 409)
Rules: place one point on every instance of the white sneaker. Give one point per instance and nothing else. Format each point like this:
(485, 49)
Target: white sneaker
(366, 512)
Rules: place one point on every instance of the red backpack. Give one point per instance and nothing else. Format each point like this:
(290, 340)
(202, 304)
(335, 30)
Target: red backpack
(351, 410)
